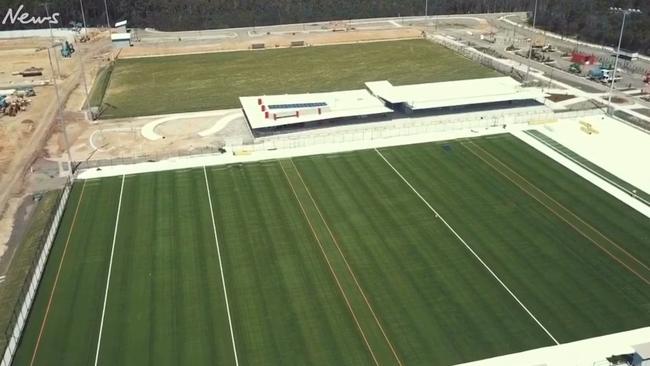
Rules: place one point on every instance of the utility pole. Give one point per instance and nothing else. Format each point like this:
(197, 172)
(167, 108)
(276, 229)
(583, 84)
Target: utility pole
(530, 46)
(56, 60)
(86, 106)
(108, 20)
(83, 17)
(426, 11)
(59, 114)
(626, 12)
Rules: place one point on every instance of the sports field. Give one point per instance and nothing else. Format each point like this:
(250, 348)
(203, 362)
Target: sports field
(429, 254)
(162, 85)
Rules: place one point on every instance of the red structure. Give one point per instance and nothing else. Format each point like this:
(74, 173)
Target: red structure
(583, 58)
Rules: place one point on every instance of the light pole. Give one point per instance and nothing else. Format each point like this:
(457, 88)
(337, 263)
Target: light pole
(59, 115)
(83, 69)
(108, 20)
(83, 17)
(426, 11)
(530, 47)
(625, 12)
(49, 25)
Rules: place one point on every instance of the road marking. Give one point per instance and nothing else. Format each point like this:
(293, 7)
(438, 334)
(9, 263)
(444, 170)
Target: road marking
(223, 280)
(354, 277)
(58, 271)
(110, 268)
(560, 216)
(438, 216)
(2, 279)
(338, 283)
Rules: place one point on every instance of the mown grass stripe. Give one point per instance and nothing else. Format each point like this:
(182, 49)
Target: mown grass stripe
(586, 230)
(110, 269)
(336, 279)
(56, 277)
(437, 215)
(347, 265)
(223, 280)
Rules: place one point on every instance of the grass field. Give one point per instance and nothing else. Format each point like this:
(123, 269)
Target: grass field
(427, 254)
(190, 83)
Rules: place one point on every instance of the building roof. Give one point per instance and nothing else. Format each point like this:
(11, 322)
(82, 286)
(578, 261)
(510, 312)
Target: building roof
(310, 107)
(453, 93)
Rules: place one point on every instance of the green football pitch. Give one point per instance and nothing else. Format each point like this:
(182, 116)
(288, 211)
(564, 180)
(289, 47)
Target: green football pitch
(189, 83)
(430, 254)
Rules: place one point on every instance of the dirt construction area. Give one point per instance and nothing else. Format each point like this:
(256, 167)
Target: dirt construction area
(23, 135)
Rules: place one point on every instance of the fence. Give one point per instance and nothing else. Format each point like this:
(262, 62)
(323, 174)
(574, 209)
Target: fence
(396, 128)
(23, 306)
(501, 65)
(145, 158)
(356, 132)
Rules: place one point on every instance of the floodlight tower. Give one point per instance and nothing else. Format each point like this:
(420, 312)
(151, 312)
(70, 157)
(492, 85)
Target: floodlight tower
(108, 20)
(81, 58)
(530, 47)
(426, 11)
(625, 12)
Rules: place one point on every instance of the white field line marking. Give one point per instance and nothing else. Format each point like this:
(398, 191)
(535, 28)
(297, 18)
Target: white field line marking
(2, 279)
(223, 280)
(468, 247)
(110, 268)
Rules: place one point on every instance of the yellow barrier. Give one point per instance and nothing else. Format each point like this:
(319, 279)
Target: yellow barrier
(589, 130)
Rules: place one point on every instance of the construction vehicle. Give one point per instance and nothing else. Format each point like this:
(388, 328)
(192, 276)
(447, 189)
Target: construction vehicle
(537, 42)
(583, 58)
(575, 69)
(489, 37)
(12, 106)
(25, 91)
(67, 49)
(599, 73)
(603, 75)
(540, 57)
(548, 48)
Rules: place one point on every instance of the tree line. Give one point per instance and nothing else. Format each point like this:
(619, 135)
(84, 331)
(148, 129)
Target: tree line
(588, 20)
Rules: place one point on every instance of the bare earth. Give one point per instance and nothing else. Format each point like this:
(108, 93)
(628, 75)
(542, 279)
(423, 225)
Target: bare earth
(23, 136)
(271, 41)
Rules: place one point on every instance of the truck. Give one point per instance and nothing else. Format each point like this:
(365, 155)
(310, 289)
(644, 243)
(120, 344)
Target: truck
(599, 73)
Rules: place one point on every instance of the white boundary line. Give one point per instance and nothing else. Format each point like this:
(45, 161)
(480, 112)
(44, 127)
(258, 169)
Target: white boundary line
(223, 280)
(110, 268)
(468, 247)
(582, 165)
